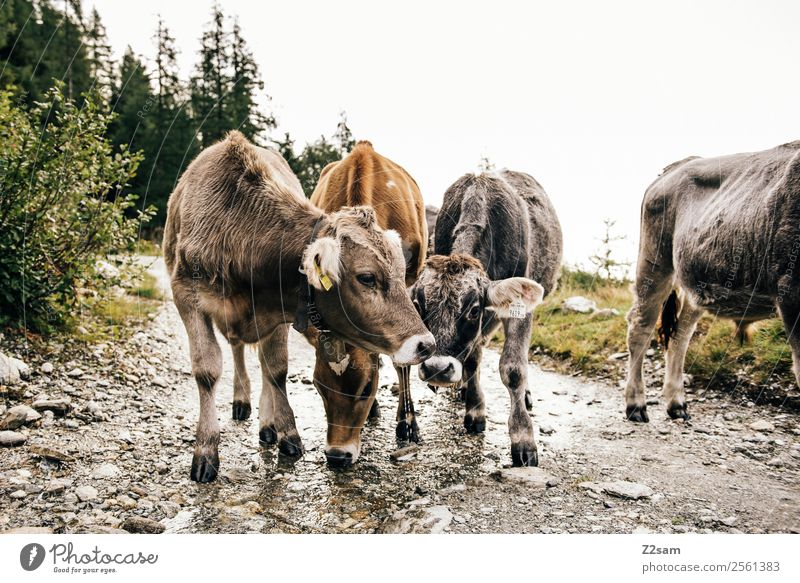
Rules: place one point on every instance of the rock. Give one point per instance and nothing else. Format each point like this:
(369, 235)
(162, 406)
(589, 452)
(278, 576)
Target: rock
(404, 453)
(619, 356)
(12, 370)
(29, 530)
(75, 373)
(126, 502)
(762, 425)
(105, 270)
(58, 406)
(86, 493)
(160, 382)
(94, 409)
(546, 429)
(619, 488)
(11, 439)
(47, 368)
(729, 521)
(19, 494)
(142, 525)
(106, 471)
(16, 417)
(50, 453)
(605, 313)
(579, 305)
(533, 477)
(427, 519)
(57, 485)
(452, 489)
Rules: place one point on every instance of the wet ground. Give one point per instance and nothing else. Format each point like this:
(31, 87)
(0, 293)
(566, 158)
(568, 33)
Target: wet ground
(733, 468)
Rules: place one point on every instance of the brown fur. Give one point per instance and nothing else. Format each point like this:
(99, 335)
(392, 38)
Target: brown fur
(363, 178)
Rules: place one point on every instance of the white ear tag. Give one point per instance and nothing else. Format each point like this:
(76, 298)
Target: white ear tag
(516, 309)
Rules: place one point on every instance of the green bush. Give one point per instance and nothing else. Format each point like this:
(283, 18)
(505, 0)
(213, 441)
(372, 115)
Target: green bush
(60, 207)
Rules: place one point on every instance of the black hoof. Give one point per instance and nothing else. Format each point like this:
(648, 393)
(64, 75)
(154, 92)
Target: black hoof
(678, 411)
(637, 414)
(374, 411)
(268, 435)
(474, 424)
(524, 454)
(241, 410)
(406, 432)
(290, 445)
(204, 468)
(528, 401)
(461, 394)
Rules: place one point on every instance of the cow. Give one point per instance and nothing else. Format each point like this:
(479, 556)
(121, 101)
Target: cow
(349, 386)
(718, 235)
(498, 249)
(431, 212)
(244, 248)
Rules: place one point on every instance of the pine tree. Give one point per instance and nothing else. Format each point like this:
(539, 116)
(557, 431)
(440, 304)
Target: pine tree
(343, 137)
(242, 109)
(607, 268)
(99, 55)
(212, 80)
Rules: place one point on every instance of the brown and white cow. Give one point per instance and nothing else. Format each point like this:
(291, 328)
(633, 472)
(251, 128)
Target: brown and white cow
(348, 382)
(239, 231)
(720, 235)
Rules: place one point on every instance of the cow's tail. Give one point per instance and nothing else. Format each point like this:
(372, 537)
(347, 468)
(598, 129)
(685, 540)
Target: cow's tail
(744, 332)
(668, 320)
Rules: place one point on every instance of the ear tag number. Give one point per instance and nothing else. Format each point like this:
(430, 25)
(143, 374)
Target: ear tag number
(323, 277)
(517, 309)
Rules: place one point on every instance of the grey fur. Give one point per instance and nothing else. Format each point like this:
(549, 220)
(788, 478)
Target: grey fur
(725, 232)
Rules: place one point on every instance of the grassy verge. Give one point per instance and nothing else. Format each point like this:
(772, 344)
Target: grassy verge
(113, 316)
(584, 342)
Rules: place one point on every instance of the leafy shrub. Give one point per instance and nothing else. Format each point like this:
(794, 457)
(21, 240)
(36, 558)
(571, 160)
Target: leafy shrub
(61, 206)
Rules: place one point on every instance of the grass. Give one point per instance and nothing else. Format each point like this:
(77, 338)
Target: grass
(147, 247)
(114, 316)
(584, 342)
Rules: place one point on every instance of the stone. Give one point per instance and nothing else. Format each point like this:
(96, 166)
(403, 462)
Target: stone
(57, 485)
(404, 453)
(12, 370)
(86, 493)
(29, 530)
(619, 356)
(47, 367)
(160, 382)
(11, 439)
(762, 425)
(126, 502)
(58, 406)
(425, 519)
(19, 494)
(75, 373)
(579, 305)
(105, 269)
(619, 488)
(533, 477)
(452, 489)
(142, 525)
(51, 454)
(546, 429)
(106, 471)
(15, 417)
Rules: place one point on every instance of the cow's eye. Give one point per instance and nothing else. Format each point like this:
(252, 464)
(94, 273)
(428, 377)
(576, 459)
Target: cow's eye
(367, 279)
(474, 312)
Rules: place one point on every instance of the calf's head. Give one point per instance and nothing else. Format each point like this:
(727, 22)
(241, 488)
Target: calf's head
(452, 295)
(358, 272)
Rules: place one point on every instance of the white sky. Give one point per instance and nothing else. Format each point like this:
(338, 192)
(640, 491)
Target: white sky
(591, 98)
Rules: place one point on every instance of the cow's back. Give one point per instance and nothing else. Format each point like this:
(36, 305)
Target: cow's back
(506, 221)
(231, 205)
(364, 177)
(728, 222)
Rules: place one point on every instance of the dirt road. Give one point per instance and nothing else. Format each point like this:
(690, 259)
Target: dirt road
(733, 468)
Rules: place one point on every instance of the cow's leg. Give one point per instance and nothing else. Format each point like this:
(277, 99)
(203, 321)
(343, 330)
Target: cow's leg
(651, 290)
(514, 373)
(275, 415)
(407, 428)
(475, 404)
(241, 384)
(790, 314)
(676, 357)
(206, 367)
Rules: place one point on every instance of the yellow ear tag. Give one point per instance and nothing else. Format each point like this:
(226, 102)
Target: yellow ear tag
(323, 277)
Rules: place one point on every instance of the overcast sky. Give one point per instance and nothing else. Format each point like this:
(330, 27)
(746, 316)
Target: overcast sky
(591, 98)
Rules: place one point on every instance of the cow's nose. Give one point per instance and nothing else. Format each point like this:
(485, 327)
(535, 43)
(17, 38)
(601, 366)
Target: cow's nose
(338, 458)
(437, 370)
(426, 348)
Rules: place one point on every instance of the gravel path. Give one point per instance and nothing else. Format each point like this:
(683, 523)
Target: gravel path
(112, 448)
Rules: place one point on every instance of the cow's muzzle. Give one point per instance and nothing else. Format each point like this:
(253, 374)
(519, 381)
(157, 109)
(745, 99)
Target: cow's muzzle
(441, 370)
(415, 349)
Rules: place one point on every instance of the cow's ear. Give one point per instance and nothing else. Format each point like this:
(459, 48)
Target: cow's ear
(321, 263)
(508, 296)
